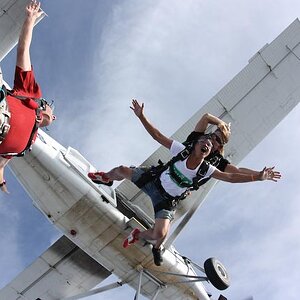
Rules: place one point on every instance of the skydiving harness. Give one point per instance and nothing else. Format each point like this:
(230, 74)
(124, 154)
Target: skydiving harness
(5, 117)
(4, 114)
(153, 174)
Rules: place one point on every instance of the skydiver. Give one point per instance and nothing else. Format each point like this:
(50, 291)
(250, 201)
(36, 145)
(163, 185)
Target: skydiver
(22, 110)
(166, 185)
(220, 138)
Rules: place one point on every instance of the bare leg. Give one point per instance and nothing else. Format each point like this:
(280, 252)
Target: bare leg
(165, 233)
(158, 232)
(119, 173)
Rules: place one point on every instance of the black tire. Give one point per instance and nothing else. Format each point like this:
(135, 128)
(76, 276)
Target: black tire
(216, 273)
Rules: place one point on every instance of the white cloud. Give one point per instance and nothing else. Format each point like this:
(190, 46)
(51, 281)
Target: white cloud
(175, 55)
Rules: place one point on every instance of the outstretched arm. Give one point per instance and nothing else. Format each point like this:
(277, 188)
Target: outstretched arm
(207, 119)
(33, 12)
(154, 132)
(234, 169)
(265, 174)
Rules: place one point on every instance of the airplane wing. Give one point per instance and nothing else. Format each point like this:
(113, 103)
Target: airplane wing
(69, 269)
(11, 20)
(254, 101)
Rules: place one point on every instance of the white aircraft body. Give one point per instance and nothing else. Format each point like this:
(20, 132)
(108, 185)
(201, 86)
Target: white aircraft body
(95, 219)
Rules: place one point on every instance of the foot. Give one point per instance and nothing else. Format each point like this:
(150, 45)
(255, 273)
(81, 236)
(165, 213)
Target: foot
(132, 238)
(100, 178)
(157, 256)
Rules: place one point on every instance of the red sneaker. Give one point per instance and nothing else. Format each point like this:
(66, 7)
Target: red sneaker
(132, 238)
(100, 178)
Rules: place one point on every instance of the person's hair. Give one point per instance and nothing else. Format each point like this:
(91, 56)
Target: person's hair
(225, 133)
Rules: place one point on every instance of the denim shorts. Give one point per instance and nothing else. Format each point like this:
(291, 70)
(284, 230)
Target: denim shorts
(151, 190)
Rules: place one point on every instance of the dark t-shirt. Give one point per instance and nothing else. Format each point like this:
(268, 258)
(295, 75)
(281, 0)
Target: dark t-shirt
(23, 113)
(214, 158)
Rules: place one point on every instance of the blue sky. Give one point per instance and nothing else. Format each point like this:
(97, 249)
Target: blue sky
(92, 57)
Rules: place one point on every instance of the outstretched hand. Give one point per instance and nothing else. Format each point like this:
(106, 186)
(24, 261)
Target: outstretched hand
(269, 174)
(33, 9)
(137, 108)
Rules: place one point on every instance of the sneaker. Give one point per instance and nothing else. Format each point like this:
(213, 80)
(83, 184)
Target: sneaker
(157, 256)
(132, 238)
(99, 178)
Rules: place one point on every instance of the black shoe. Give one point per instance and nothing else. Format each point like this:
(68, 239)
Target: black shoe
(157, 256)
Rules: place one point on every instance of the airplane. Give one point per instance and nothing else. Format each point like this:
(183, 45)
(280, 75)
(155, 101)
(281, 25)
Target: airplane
(95, 219)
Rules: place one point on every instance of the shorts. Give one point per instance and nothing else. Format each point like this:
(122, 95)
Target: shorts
(151, 190)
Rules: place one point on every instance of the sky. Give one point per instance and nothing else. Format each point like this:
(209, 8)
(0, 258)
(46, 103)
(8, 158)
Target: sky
(92, 57)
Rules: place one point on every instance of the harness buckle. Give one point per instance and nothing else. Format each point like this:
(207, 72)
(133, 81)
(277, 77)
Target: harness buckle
(184, 154)
(4, 131)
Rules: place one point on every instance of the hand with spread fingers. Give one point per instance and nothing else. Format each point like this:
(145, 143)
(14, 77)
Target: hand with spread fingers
(33, 9)
(137, 108)
(270, 174)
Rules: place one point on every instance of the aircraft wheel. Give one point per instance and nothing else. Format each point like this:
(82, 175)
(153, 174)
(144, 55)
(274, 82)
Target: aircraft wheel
(216, 273)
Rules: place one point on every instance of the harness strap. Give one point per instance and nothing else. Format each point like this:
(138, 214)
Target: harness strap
(3, 92)
(4, 127)
(153, 173)
(156, 171)
(33, 131)
(4, 114)
(198, 180)
(169, 203)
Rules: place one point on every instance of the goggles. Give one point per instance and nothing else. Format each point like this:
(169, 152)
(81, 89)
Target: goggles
(43, 104)
(218, 139)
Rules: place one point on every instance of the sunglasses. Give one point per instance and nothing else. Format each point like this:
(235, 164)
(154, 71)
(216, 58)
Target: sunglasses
(218, 139)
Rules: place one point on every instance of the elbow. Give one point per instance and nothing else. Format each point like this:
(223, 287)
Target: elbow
(206, 116)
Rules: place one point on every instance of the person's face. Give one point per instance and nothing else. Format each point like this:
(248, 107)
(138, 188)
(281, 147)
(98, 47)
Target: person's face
(217, 140)
(47, 117)
(204, 145)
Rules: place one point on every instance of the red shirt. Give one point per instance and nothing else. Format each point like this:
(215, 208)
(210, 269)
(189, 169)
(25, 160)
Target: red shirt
(22, 112)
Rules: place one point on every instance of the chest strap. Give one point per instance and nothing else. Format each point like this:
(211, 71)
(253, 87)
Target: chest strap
(184, 182)
(169, 203)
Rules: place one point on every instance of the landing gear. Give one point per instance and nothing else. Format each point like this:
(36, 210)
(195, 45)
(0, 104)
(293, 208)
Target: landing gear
(216, 273)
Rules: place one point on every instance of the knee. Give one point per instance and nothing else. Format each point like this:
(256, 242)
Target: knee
(160, 234)
(123, 172)
(122, 168)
